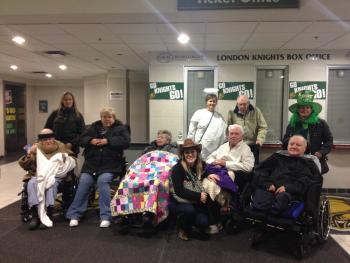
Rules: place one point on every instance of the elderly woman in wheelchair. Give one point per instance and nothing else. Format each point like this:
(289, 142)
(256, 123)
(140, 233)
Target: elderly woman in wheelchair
(288, 185)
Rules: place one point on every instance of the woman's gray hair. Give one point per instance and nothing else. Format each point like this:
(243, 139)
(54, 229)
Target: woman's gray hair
(233, 126)
(167, 133)
(108, 111)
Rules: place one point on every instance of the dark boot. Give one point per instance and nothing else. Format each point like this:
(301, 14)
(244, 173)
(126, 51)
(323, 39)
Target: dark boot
(49, 212)
(35, 221)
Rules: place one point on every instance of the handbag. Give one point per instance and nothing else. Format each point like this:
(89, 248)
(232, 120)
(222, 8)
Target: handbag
(191, 185)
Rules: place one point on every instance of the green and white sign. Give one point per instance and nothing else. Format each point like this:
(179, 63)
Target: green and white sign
(232, 90)
(166, 91)
(319, 87)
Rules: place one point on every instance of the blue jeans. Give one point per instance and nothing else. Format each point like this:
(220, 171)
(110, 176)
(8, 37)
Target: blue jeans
(80, 202)
(190, 215)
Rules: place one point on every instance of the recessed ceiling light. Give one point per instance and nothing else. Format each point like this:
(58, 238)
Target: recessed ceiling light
(62, 67)
(14, 67)
(48, 75)
(183, 38)
(19, 40)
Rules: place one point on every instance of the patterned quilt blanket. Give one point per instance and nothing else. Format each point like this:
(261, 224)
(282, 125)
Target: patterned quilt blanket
(145, 186)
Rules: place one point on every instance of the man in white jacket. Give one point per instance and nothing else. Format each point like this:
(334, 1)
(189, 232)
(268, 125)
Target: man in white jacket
(235, 155)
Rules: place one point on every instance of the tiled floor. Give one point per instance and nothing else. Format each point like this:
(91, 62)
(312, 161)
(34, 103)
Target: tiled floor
(11, 184)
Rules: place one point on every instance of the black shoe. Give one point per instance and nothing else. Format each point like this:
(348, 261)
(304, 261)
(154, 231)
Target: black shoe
(35, 221)
(49, 212)
(123, 225)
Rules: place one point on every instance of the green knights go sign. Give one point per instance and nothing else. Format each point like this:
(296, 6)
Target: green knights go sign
(166, 91)
(319, 87)
(232, 90)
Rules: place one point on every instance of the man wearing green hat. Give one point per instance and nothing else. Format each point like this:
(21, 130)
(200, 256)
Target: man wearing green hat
(306, 122)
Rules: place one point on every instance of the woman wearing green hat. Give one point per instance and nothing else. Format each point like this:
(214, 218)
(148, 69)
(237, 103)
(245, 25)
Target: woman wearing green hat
(306, 122)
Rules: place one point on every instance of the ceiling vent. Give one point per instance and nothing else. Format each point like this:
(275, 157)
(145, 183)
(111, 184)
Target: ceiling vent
(38, 72)
(56, 53)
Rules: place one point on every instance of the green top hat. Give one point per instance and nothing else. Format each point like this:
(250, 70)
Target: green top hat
(305, 98)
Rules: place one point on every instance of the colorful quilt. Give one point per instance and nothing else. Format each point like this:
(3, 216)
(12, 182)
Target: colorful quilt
(145, 186)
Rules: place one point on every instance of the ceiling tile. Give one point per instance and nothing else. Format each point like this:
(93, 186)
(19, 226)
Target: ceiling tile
(230, 27)
(286, 27)
(189, 28)
(132, 28)
(144, 38)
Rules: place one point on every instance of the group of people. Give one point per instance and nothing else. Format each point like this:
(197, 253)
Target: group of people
(208, 172)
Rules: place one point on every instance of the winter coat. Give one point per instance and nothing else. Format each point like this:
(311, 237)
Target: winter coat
(179, 176)
(107, 158)
(253, 123)
(170, 147)
(296, 174)
(28, 161)
(67, 126)
(320, 138)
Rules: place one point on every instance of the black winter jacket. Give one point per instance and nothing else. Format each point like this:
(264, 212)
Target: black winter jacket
(67, 126)
(109, 157)
(296, 174)
(321, 139)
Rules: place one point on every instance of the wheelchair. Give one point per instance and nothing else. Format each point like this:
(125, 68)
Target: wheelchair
(308, 221)
(66, 192)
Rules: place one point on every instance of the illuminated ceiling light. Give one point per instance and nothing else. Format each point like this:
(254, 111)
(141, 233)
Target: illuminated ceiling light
(19, 40)
(62, 67)
(183, 38)
(48, 75)
(13, 67)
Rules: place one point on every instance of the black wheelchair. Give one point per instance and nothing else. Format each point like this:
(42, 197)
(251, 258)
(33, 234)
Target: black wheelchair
(308, 221)
(66, 193)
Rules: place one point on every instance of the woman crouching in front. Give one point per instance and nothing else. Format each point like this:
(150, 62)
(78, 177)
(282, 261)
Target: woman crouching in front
(189, 202)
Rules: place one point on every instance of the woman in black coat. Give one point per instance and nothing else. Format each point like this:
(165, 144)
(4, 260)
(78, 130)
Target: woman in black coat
(104, 142)
(305, 122)
(67, 122)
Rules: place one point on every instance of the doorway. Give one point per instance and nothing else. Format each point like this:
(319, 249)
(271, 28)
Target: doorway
(15, 117)
(272, 99)
(199, 81)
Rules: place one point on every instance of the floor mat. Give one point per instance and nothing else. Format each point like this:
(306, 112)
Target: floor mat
(340, 213)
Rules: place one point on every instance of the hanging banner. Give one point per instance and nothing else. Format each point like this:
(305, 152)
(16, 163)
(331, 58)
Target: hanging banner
(234, 4)
(232, 90)
(166, 91)
(319, 87)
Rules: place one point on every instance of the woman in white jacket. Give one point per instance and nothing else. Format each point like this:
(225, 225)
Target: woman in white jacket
(208, 127)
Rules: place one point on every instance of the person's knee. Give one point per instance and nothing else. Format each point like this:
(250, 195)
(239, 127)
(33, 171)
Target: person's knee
(104, 179)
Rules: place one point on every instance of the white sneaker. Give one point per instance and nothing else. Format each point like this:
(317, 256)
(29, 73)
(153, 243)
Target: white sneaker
(73, 223)
(212, 229)
(105, 223)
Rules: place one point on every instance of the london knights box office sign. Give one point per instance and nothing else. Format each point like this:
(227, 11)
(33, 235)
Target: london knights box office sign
(232, 90)
(166, 90)
(235, 4)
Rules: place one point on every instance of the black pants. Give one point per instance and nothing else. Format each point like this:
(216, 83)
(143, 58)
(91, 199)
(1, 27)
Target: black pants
(255, 148)
(268, 201)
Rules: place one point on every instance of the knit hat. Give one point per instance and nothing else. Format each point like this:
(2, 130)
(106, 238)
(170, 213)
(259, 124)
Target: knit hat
(189, 144)
(306, 98)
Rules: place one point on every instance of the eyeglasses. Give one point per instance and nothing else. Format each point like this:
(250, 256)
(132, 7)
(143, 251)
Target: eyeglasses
(47, 139)
(189, 152)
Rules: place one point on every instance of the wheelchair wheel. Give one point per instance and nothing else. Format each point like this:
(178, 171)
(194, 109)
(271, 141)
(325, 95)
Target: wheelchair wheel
(231, 227)
(324, 223)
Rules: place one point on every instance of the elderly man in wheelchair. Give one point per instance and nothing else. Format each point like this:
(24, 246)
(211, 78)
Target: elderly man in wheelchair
(287, 196)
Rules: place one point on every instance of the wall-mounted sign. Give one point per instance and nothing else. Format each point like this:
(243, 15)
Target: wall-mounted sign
(319, 87)
(43, 106)
(167, 57)
(234, 4)
(231, 90)
(314, 56)
(166, 91)
(8, 97)
(116, 95)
